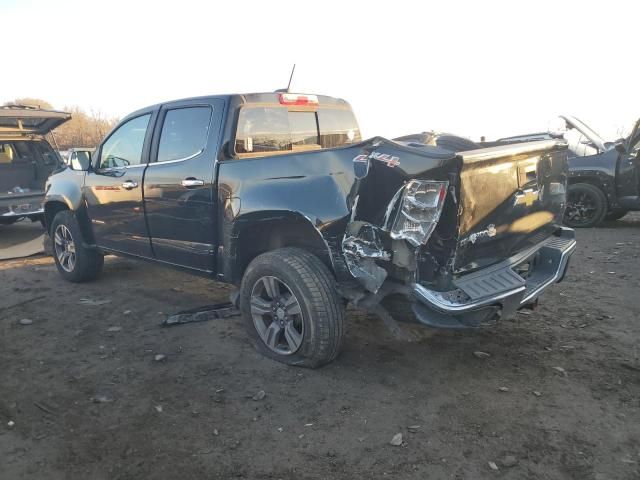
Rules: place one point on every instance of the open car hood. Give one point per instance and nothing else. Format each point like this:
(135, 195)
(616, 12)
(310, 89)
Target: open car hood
(586, 131)
(20, 120)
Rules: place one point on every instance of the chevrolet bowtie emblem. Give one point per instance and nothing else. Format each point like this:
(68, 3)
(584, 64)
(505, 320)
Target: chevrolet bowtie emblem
(528, 197)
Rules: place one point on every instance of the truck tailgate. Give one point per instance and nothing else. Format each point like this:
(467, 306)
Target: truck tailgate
(511, 198)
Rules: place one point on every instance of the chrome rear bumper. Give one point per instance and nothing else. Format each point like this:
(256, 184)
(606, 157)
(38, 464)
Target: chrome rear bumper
(499, 286)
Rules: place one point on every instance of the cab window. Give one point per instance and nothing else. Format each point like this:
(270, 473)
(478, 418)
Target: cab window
(272, 130)
(263, 130)
(124, 146)
(184, 133)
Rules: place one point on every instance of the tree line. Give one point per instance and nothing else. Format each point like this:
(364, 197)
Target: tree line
(83, 130)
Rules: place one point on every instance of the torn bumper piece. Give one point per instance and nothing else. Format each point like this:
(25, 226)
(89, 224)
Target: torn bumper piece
(504, 287)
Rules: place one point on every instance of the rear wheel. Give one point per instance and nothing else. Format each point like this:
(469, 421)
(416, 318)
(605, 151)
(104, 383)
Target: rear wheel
(75, 262)
(291, 308)
(615, 214)
(586, 206)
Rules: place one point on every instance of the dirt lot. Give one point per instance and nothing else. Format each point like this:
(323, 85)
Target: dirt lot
(558, 397)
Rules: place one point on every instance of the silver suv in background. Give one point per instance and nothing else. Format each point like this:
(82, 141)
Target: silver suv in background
(26, 160)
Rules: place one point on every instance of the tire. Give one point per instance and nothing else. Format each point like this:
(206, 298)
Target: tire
(289, 290)
(615, 214)
(75, 262)
(586, 206)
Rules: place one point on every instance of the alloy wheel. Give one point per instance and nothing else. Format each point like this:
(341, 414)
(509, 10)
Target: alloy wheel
(582, 207)
(277, 315)
(65, 248)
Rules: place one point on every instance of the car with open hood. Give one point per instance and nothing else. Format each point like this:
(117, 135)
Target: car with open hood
(604, 176)
(26, 160)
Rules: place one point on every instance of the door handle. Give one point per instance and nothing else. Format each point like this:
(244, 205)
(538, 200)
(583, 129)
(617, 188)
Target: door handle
(192, 182)
(129, 184)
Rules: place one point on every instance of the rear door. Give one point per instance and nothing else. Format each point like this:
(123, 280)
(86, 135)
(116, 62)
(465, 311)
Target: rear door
(179, 183)
(113, 187)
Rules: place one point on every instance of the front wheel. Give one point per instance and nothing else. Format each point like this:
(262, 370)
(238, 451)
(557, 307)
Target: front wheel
(75, 262)
(291, 308)
(586, 206)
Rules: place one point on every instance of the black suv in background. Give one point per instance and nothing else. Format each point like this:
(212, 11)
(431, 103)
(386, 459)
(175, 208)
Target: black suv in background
(26, 160)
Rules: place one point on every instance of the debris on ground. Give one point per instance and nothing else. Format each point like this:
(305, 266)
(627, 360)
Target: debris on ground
(114, 329)
(25, 321)
(93, 303)
(159, 357)
(480, 354)
(509, 461)
(215, 432)
(503, 389)
(44, 408)
(561, 370)
(413, 428)
(493, 466)
(101, 399)
(127, 312)
(396, 441)
(202, 314)
(158, 408)
(537, 393)
(11, 424)
(259, 396)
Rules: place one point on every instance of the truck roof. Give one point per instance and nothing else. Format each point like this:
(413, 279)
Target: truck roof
(245, 98)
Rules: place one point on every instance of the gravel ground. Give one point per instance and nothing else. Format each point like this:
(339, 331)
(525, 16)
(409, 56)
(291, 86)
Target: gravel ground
(83, 396)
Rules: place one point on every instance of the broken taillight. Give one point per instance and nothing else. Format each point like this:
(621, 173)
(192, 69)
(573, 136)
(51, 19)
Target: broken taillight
(420, 207)
(298, 99)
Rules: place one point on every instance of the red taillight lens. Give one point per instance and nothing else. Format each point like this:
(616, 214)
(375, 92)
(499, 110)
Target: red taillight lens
(298, 99)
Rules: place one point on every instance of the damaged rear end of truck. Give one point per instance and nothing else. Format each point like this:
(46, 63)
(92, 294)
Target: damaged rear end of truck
(462, 238)
(466, 238)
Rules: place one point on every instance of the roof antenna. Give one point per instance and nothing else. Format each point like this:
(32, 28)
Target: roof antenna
(291, 78)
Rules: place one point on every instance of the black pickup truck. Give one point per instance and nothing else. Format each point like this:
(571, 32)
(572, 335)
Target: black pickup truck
(278, 194)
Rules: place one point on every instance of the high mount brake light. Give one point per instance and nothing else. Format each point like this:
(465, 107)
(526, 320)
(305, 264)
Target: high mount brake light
(419, 212)
(297, 99)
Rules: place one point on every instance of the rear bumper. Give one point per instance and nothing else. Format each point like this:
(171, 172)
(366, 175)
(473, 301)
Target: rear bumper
(480, 295)
(26, 206)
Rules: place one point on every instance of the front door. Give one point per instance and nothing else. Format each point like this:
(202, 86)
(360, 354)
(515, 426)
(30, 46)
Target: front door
(179, 183)
(113, 188)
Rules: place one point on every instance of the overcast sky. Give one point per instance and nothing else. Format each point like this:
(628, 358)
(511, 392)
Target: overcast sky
(472, 68)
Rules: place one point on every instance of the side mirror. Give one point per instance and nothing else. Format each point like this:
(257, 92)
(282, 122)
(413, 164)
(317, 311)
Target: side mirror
(620, 147)
(80, 161)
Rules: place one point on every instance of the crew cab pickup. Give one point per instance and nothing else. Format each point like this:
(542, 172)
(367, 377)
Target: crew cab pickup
(26, 160)
(278, 194)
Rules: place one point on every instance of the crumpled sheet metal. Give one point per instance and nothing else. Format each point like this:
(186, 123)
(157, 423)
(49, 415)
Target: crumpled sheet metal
(361, 248)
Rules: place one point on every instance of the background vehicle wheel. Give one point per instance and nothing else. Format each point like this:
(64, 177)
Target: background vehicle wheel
(586, 206)
(75, 262)
(291, 308)
(615, 214)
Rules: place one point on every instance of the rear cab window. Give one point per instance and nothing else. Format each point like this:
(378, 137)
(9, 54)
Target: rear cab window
(264, 130)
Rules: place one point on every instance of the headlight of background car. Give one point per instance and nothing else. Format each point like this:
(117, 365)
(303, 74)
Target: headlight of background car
(419, 212)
